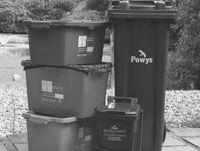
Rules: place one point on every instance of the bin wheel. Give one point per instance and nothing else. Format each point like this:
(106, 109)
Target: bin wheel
(164, 131)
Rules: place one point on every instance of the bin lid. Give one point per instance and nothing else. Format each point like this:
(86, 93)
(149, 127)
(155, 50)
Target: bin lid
(120, 106)
(47, 24)
(141, 9)
(102, 67)
(31, 116)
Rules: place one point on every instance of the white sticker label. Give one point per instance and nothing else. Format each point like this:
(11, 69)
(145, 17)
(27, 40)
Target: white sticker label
(90, 49)
(81, 132)
(82, 41)
(47, 86)
(59, 96)
(88, 138)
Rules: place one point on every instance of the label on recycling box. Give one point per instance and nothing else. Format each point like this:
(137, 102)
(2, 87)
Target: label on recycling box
(51, 92)
(82, 41)
(84, 139)
(85, 45)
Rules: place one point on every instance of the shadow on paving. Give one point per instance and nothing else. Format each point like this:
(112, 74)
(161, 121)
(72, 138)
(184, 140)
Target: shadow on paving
(176, 140)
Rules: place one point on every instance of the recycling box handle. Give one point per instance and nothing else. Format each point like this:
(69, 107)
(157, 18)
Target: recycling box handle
(38, 121)
(38, 24)
(35, 118)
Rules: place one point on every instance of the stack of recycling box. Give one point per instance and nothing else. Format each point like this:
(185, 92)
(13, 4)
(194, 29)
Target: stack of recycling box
(66, 81)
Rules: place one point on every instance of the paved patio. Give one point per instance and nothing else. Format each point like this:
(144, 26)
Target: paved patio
(176, 140)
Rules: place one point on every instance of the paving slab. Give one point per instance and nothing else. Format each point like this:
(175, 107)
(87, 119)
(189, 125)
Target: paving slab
(2, 147)
(179, 148)
(185, 132)
(8, 144)
(171, 140)
(22, 147)
(18, 139)
(193, 140)
(172, 143)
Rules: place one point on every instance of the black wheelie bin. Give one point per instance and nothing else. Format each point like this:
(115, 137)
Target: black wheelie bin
(141, 36)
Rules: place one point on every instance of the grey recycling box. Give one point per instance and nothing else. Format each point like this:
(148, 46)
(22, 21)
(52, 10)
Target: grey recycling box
(47, 133)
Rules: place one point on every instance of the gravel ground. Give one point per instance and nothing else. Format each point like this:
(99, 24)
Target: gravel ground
(182, 108)
(13, 102)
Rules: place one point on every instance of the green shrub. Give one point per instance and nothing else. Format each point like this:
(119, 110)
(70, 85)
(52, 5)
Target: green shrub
(184, 65)
(181, 73)
(12, 13)
(89, 15)
(176, 28)
(49, 9)
(98, 5)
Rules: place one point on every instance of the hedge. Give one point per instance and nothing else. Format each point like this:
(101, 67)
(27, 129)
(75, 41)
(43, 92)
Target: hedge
(184, 63)
(14, 12)
(89, 15)
(49, 10)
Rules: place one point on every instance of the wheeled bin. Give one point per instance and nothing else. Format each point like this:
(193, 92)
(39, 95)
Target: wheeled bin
(141, 36)
(73, 90)
(46, 133)
(60, 43)
(118, 125)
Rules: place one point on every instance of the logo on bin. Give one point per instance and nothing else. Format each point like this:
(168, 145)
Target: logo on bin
(142, 58)
(114, 127)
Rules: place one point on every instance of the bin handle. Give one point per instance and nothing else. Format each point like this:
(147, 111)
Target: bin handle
(159, 4)
(117, 99)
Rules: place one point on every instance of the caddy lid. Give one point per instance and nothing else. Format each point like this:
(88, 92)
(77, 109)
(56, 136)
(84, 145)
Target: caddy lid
(120, 105)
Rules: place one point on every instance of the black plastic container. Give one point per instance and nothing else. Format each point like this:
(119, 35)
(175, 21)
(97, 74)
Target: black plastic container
(117, 126)
(47, 133)
(60, 43)
(74, 90)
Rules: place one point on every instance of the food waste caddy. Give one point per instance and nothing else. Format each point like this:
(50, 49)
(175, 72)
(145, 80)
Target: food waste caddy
(141, 31)
(117, 126)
